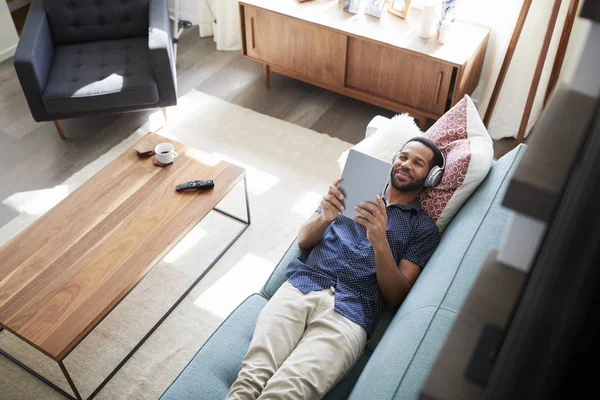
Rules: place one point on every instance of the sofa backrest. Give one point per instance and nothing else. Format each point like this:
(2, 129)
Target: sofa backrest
(76, 21)
(401, 361)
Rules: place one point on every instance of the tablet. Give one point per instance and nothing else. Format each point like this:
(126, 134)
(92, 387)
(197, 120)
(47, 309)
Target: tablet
(364, 177)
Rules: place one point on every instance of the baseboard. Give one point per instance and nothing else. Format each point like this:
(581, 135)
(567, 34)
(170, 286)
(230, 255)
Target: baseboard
(8, 53)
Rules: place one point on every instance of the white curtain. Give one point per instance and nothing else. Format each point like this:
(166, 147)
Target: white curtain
(220, 19)
(217, 18)
(501, 17)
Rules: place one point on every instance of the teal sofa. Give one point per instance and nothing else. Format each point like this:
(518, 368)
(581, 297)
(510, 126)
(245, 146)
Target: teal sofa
(404, 346)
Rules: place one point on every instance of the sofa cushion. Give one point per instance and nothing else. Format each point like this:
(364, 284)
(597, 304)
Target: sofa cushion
(408, 349)
(73, 21)
(100, 75)
(214, 368)
(468, 149)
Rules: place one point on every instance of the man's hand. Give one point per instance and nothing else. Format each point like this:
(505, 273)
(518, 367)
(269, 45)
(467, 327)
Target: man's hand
(374, 218)
(332, 203)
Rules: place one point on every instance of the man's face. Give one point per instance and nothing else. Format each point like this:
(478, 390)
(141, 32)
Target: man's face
(411, 166)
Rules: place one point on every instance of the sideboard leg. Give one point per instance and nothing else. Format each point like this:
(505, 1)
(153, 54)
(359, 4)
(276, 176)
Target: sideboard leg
(423, 123)
(267, 70)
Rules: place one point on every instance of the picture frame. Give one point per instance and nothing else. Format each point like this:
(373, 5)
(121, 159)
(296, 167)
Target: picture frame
(351, 6)
(375, 8)
(399, 7)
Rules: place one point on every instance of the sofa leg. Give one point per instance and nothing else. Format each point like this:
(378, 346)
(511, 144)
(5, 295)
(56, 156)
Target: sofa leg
(59, 129)
(164, 112)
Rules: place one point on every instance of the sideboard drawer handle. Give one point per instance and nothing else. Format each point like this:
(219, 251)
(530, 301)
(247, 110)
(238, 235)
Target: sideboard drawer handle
(439, 87)
(252, 31)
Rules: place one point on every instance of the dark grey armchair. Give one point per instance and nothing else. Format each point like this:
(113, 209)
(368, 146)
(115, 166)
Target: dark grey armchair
(78, 58)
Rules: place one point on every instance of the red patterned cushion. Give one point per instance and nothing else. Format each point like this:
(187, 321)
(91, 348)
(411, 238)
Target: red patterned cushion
(468, 150)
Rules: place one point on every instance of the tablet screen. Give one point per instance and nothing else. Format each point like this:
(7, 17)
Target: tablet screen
(364, 177)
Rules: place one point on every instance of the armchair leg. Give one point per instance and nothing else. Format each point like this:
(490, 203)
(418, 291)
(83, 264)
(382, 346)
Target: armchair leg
(59, 129)
(164, 112)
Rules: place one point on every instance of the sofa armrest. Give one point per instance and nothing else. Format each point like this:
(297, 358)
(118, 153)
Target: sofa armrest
(33, 58)
(160, 47)
(278, 276)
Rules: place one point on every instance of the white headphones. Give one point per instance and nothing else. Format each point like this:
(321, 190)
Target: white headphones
(434, 177)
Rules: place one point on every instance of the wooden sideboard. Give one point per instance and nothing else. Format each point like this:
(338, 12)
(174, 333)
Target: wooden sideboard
(382, 61)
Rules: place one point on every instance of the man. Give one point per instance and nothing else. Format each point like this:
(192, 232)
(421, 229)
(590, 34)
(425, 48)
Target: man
(313, 330)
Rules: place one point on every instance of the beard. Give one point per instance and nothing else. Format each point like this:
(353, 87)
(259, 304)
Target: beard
(410, 186)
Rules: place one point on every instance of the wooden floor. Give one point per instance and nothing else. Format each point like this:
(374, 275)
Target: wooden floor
(33, 157)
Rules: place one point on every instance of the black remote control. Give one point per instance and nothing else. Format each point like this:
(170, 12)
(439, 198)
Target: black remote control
(191, 185)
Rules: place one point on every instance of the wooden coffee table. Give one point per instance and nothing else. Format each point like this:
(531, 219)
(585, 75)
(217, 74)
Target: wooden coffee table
(65, 272)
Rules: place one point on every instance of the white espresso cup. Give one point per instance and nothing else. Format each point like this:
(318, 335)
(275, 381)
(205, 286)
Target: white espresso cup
(165, 153)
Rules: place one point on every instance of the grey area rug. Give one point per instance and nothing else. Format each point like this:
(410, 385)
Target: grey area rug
(288, 169)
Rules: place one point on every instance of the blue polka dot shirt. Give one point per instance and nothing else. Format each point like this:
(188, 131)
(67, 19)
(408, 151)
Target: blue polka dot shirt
(344, 259)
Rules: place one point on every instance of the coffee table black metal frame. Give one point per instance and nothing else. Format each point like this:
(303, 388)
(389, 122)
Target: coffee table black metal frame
(76, 395)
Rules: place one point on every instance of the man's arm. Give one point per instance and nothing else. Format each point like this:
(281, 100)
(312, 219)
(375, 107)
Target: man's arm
(395, 281)
(312, 231)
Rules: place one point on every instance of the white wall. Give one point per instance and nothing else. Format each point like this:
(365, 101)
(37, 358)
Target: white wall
(8, 33)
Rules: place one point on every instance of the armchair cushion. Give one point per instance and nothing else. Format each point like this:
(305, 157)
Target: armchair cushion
(100, 75)
(74, 21)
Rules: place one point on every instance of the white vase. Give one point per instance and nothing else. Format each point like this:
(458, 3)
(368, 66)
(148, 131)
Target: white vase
(445, 31)
(427, 20)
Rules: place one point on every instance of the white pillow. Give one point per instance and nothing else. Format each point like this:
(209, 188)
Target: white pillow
(387, 140)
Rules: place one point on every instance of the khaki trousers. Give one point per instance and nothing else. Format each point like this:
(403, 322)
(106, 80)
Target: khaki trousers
(300, 349)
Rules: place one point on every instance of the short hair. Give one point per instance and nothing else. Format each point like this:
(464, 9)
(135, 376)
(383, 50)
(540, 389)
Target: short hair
(438, 158)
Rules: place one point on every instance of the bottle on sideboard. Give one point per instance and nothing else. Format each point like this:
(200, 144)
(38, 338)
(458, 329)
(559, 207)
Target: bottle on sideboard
(427, 19)
(445, 31)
